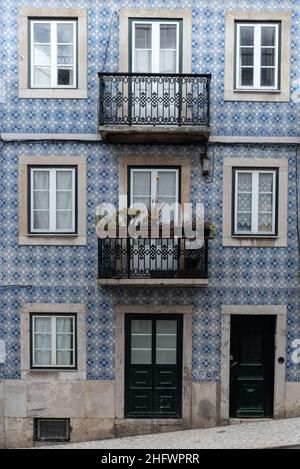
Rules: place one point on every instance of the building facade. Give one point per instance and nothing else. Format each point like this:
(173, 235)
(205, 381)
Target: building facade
(98, 102)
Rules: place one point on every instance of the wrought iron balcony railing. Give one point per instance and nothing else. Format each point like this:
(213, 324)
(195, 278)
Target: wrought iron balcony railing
(154, 99)
(151, 258)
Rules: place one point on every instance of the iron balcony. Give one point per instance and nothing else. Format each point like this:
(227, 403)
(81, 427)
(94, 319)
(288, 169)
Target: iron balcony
(154, 262)
(154, 108)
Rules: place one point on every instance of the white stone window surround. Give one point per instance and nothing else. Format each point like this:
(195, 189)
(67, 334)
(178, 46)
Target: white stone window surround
(72, 239)
(153, 13)
(25, 91)
(280, 312)
(279, 95)
(229, 239)
(47, 309)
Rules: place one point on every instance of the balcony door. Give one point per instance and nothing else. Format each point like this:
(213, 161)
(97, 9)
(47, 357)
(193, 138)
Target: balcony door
(155, 49)
(153, 366)
(155, 187)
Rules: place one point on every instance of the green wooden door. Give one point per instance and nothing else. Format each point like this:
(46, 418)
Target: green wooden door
(252, 366)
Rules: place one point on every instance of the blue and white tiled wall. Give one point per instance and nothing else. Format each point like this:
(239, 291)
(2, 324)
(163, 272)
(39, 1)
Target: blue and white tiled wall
(208, 38)
(68, 274)
(63, 274)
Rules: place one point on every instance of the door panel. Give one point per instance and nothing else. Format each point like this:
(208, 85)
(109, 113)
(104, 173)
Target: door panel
(153, 389)
(252, 366)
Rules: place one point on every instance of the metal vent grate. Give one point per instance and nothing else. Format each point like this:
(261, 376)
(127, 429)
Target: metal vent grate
(52, 429)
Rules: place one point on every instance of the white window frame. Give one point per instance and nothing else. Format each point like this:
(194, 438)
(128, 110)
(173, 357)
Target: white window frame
(52, 199)
(54, 349)
(154, 174)
(53, 53)
(254, 208)
(257, 55)
(155, 43)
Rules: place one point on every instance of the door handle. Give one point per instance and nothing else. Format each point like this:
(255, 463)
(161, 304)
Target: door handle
(233, 364)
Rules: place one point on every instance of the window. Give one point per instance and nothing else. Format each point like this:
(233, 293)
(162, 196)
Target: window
(53, 54)
(52, 200)
(255, 202)
(257, 55)
(53, 341)
(155, 46)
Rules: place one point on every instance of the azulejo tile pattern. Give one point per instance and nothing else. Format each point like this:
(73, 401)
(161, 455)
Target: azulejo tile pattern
(60, 274)
(68, 274)
(208, 38)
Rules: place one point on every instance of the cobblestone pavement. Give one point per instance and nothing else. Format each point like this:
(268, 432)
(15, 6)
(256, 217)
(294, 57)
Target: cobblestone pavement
(261, 434)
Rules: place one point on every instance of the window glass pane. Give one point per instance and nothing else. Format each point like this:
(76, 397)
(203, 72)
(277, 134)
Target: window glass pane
(41, 33)
(41, 55)
(265, 221)
(246, 55)
(168, 36)
(265, 182)
(244, 202)
(41, 220)
(65, 33)
(64, 220)
(246, 76)
(64, 180)
(64, 358)
(41, 200)
(65, 76)
(167, 61)
(246, 35)
(244, 221)
(244, 182)
(141, 343)
(265, 202)
(267, 57)
(42, 325)
(142, 61)
(64, 200)
(143, 34)
(42, 358)
(268, 34)
(65, 55)
(42, 341)
(41, 76)
(142, 183)
(267, 77)
(167, 184)
(64, 341)
(64, 325)
(166, 332)
(41, 180)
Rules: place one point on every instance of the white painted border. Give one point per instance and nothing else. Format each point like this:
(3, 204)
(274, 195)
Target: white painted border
(280, 311)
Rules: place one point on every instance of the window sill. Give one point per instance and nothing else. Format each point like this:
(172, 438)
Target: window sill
(53, 239)
(53, 93)
(254, 241)
(256, 95)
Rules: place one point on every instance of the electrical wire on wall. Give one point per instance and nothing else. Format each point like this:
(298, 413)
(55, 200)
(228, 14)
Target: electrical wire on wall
(113, 22)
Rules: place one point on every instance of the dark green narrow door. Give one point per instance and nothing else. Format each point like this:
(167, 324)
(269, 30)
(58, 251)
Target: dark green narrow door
(252, 366)
(153, 366)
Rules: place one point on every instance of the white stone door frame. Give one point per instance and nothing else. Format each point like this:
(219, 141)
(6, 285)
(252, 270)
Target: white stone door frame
(186, 311)
(280, 312)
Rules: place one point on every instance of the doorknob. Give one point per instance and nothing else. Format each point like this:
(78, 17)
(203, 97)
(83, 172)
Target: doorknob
(233, 364)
